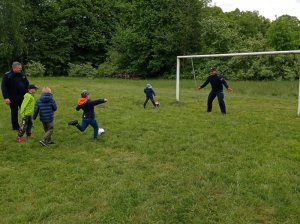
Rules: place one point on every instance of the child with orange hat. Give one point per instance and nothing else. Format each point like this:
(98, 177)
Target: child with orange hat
(88, 117)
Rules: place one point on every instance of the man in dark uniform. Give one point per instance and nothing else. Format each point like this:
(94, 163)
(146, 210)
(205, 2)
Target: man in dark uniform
(14, 86)
(216, 81)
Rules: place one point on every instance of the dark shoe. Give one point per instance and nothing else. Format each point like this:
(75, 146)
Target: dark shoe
(43, 143)
(50, 142)
(74, 123)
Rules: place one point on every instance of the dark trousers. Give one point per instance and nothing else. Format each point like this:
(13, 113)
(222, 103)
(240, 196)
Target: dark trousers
(15, 104)
(212, 95)
(26, 126)
(48, 128)
(147, 99)
(86, 122)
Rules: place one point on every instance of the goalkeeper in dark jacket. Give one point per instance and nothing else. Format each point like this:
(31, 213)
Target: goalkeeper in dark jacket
(88, 116)
(216, 81)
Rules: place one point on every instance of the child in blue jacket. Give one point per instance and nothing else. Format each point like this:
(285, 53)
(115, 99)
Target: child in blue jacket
(149, 92)
(45, 107)
(88, 117)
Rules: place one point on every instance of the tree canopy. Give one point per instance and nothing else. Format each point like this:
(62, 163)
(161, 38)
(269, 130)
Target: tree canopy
(142, 38)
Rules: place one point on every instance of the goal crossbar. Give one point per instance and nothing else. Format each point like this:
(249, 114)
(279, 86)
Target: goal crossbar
(231, 55)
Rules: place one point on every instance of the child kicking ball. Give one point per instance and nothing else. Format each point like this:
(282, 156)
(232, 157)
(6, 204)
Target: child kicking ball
(88, 117)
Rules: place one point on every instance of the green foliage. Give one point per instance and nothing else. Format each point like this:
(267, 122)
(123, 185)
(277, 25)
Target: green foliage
(12, 32)
(217, 35)
(248, 24)
(49, 40)
(284, 33)
(141, 38)
(69, 31)
(107, 70)
(275, 67)
(35, 69)
(82, 70)
(157, 31)
(90, 24)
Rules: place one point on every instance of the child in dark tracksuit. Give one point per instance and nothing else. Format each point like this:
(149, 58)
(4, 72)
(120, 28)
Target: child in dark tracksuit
(149, 92)
(45, 107)
(88, 116)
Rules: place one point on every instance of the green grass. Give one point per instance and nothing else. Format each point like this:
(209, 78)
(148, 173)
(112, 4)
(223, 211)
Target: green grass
(176, 164)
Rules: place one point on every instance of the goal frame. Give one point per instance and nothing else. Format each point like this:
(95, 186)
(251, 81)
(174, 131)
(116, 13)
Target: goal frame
(231, 55)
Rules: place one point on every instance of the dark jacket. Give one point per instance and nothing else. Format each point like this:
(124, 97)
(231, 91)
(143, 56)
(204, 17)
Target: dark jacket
(87, 106)
(14, 86)
(45, 106)
(149, 92)
(216, 82)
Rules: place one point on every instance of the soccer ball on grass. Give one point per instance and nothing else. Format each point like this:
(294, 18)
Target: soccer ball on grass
(100, 131)
(157, 104)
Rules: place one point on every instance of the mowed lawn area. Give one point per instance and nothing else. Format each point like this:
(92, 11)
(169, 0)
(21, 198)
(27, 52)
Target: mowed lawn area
(175, 164)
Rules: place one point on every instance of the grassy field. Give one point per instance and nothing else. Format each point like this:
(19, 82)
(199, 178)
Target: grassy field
(175, 164)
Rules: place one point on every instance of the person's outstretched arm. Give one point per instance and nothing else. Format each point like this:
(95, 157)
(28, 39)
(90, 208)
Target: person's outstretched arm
(204, 84)
(99, 101)
(226, 85)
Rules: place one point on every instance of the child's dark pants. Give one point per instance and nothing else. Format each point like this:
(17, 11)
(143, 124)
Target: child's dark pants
(87, 122)
(147, 99)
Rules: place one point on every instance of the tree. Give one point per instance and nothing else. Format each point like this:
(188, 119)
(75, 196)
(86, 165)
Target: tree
(218, 36)
(48, 38)
(65, 31)
(158, 31)
(90, 24)
(12, 30)
(284, 33)
(249, 24)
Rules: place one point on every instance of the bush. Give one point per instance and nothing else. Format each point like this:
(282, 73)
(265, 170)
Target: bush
(106, 70)
(82, 70)
(35, 69)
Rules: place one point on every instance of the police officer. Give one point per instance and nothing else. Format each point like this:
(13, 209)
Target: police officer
(14, 86)
(216, 81)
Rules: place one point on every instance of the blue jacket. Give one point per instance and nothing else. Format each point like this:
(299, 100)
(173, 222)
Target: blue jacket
(14, 86)
(45, 106)
(87, 106)
(216, 81)
(149, 92)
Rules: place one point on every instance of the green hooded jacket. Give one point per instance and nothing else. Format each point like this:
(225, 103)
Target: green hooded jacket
(27, 106)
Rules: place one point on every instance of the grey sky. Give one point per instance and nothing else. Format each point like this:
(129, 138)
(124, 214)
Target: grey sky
(267, 8)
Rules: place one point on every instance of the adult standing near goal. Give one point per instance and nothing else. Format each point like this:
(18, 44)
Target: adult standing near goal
(14, 86)
(216, 81)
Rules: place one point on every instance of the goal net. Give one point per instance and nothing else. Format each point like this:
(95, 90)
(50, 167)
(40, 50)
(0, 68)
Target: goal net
(231, 55)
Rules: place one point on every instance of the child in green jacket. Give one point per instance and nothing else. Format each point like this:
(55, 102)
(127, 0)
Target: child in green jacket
(26, 112)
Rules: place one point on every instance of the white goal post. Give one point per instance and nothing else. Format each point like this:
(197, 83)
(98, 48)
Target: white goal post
(231, 55)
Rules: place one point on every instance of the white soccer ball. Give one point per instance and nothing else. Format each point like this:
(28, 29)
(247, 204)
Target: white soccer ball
(100, 131)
